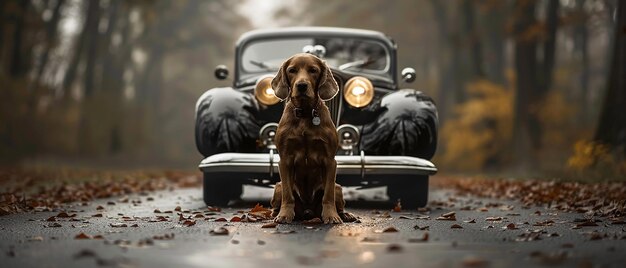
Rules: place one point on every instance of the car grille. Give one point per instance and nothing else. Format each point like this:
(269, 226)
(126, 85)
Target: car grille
(334, 105)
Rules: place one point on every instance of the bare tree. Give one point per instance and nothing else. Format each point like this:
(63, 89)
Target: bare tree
(612, 126)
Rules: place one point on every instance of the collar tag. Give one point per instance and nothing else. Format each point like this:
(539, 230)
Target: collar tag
(316, 117)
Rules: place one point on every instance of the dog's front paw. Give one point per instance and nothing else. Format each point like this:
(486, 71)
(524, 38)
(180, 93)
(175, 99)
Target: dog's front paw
(347, 217)
(285, 216)
(331, 216)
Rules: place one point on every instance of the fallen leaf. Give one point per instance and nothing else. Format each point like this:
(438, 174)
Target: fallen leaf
(235, 219)
(313, 221)
(456, 226)
(221, 219)
(450, 216)
(53, 218)
(493, 219)
(189, 223)
(99, 208)
(65, 215)
(398, 206)
(389, 229)
(511, 226)
(470, 221)
(369, 239)
(473, 261)
(97, 215)
(36, 238)
(270, 225)
(416, 227)
(118, 225)
(394, 248)
(219, 231)
(157, 210)
(178, 208)
(135, 225)
(111, 203)
(214, 209)
(82, 236)
(54, 224)
(98, 237)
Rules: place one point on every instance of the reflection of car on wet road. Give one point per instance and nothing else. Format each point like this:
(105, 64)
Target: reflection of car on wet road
(387, 134)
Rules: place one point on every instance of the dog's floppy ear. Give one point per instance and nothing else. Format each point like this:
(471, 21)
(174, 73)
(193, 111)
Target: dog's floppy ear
(280, 83)
(328, 87)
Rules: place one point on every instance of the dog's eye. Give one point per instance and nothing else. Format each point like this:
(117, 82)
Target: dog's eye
(291, 70)
(313, 70)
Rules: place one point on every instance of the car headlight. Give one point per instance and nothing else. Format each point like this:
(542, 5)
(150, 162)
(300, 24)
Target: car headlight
(264, 92)
(358, 91)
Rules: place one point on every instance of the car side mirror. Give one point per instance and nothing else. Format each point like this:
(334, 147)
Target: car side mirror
(408, 74)
(221, 72)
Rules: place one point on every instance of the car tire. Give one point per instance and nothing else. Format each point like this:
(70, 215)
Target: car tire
(219, 189)
(412, 192)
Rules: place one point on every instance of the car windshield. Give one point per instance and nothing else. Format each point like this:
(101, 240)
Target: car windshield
(347, 54)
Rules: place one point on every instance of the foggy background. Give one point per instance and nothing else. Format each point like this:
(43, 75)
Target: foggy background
(519, 85)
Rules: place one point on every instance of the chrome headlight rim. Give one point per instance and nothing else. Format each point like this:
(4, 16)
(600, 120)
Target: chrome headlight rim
(358, 92)
(261, 93)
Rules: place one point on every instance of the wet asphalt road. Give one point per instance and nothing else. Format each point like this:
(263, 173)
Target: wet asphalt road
(28, 240)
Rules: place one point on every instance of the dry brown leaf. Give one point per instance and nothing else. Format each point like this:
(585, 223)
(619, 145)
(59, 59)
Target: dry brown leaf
(214, 209)
(219, 231)
(189, 223)
(493, 219)
(270, 225)
(235, 219)
(82, 236)
(473, 261)
(394, 248)
(117, 225)
(398, 207)
(313, 221)
(389, 229)
(221, 219)
(456, 226)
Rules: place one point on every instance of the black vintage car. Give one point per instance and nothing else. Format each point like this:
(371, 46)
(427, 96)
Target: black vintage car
(387, 134)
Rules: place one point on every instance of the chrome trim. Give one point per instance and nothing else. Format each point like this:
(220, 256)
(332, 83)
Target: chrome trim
(346, 164)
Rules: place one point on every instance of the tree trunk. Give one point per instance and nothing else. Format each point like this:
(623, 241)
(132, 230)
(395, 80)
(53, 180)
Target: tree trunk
(580, 47)
(544, 74)
(473, 40)
(17, 68)
(51, 33)
(92, 25)
(494, 23)
(446, 76)
(612, 127)
(526, 82)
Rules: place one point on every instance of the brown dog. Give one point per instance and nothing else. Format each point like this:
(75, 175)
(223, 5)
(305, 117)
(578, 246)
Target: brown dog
(306, 140)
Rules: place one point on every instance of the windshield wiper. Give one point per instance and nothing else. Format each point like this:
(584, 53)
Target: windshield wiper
(357, 63)
(261, 64)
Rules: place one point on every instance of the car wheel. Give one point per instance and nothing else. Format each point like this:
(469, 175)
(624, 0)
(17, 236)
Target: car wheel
(412, 192)
(220, 189)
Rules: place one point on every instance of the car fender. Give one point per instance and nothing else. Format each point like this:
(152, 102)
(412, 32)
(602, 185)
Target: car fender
(407, 125)
(226, 121)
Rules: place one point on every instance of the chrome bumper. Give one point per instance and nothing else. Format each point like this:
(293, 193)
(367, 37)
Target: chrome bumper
(267, 163)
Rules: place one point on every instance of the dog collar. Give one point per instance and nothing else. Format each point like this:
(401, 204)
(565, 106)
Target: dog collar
(301, 113)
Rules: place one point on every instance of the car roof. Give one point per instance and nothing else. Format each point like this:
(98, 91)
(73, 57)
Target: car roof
(312, 31)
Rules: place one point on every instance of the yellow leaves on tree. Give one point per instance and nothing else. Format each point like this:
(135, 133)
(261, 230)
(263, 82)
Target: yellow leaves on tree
(593, 159)
(481, 128)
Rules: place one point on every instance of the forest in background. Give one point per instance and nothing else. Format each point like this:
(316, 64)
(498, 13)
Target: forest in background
(522, 86)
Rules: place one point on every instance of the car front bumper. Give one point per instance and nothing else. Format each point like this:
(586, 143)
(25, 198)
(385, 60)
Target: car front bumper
(365, 166)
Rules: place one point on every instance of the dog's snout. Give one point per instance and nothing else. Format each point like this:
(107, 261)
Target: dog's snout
(302, 87)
